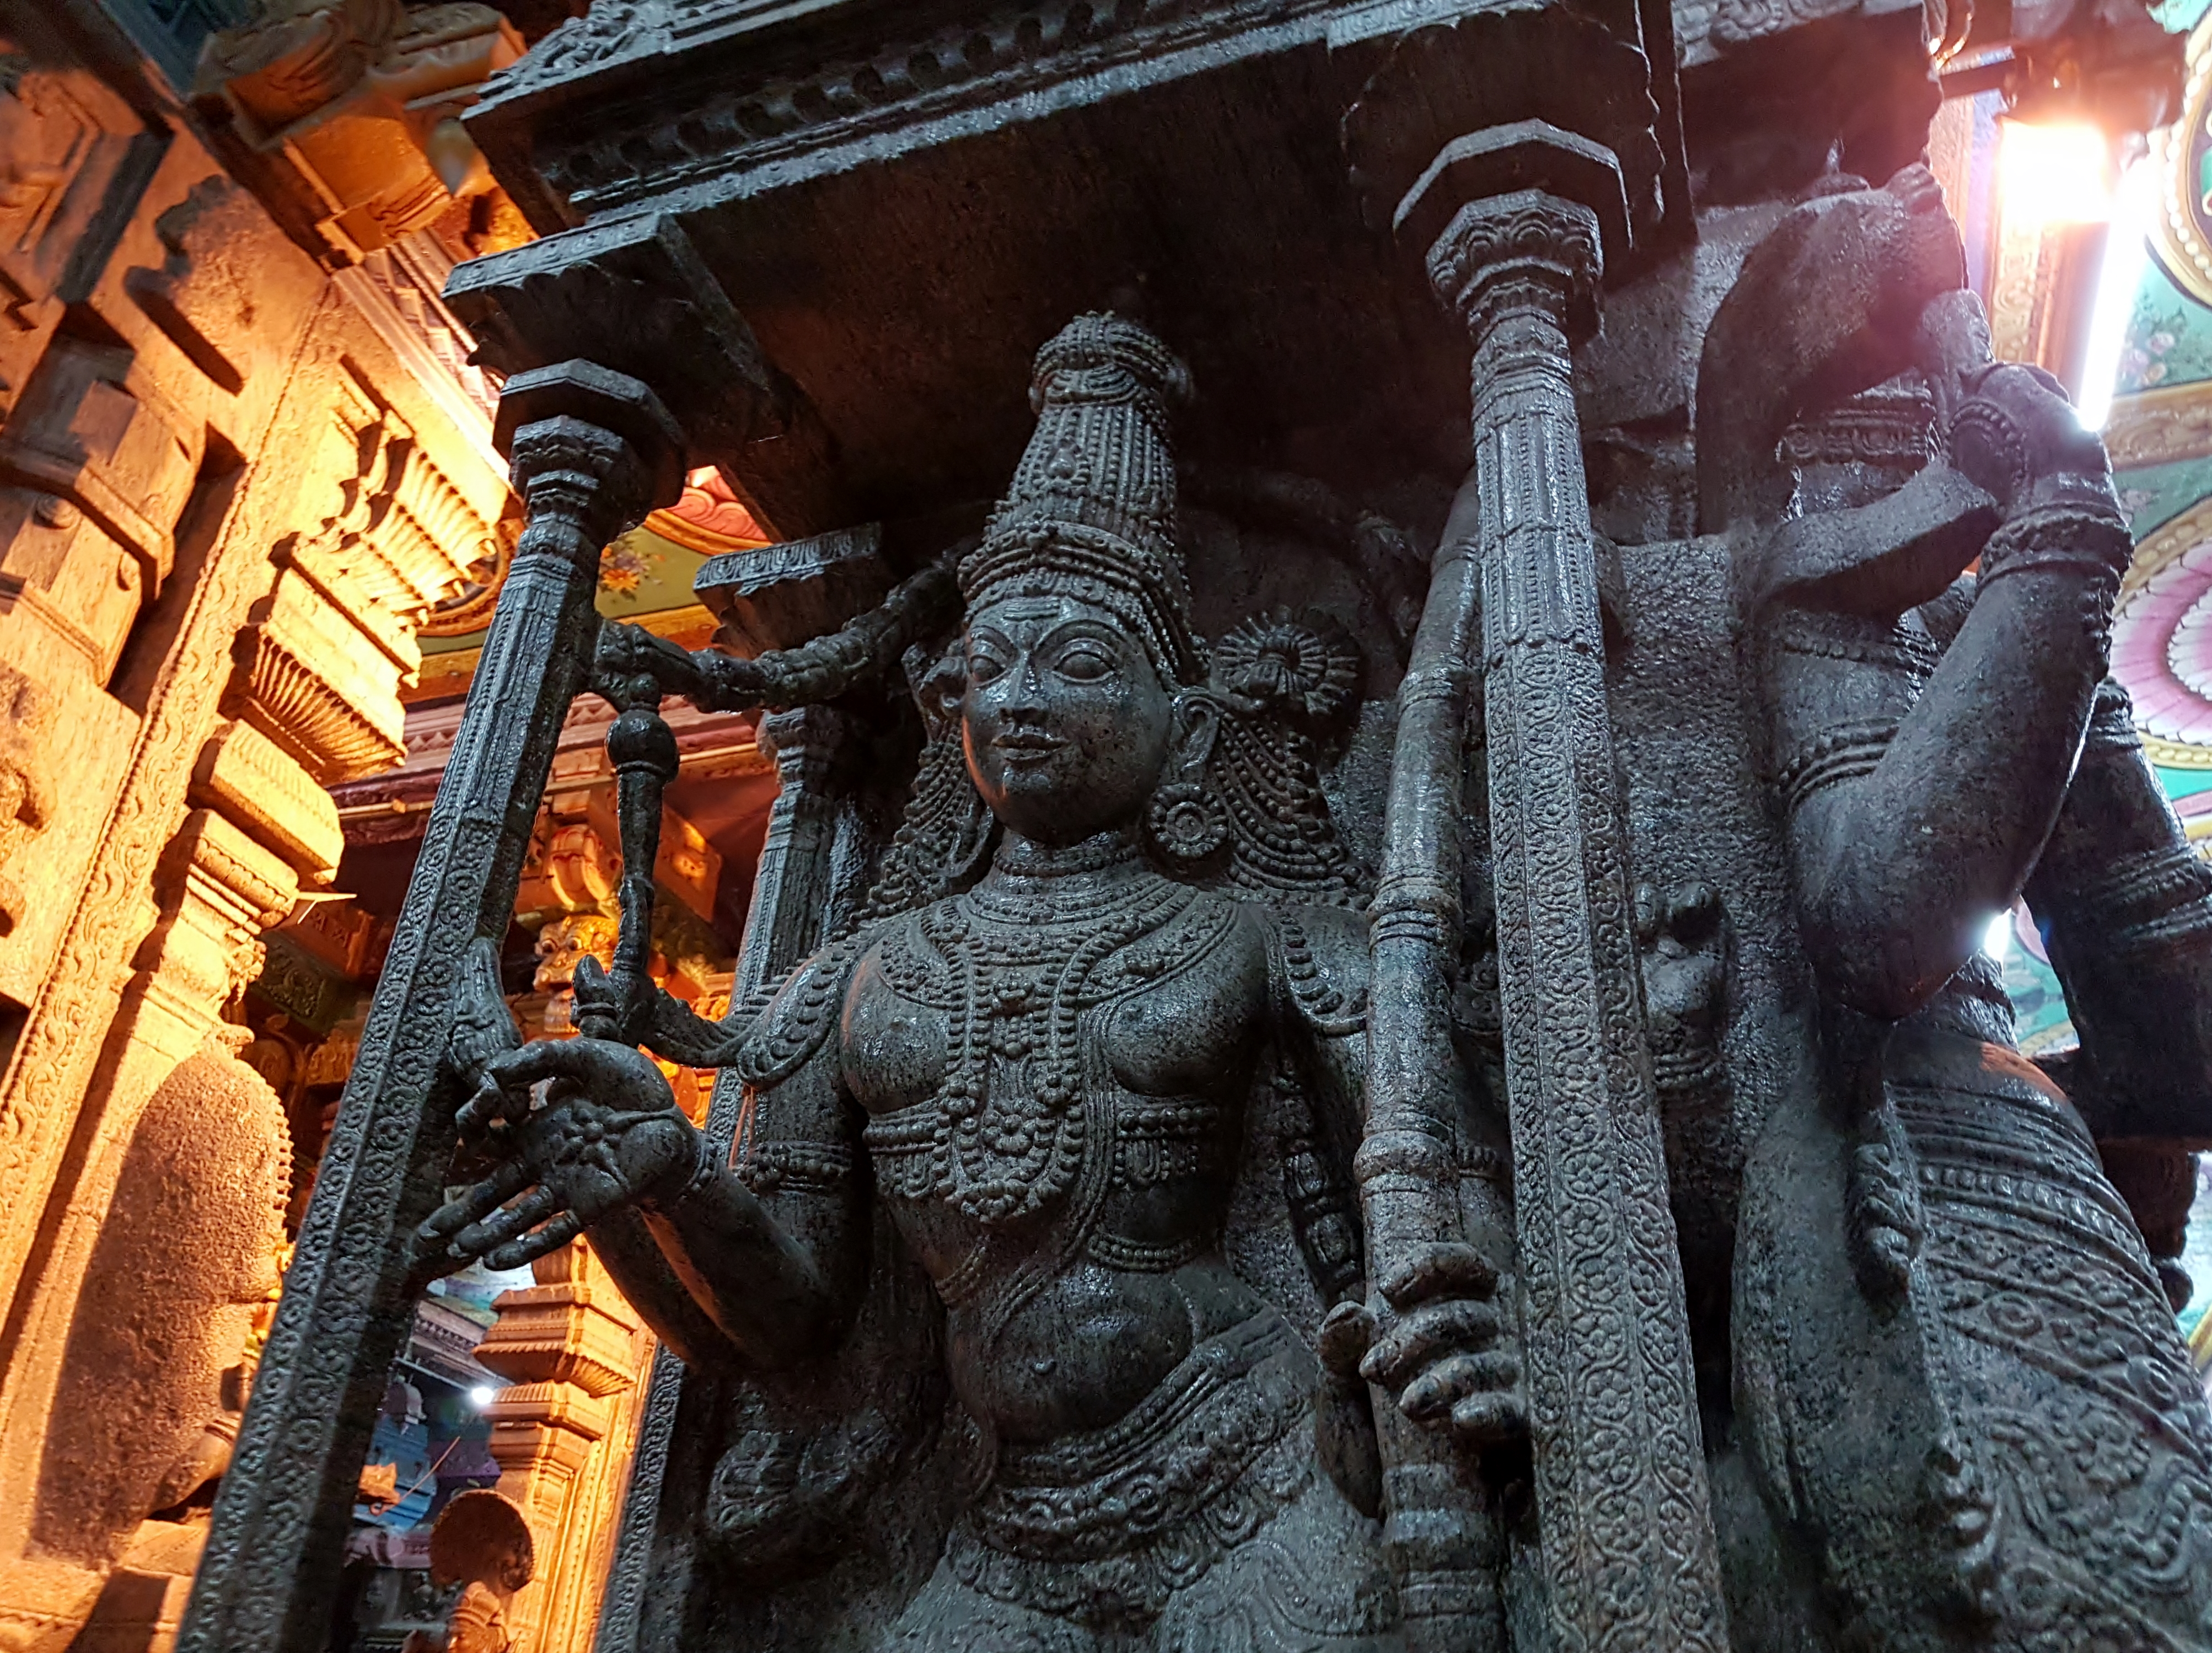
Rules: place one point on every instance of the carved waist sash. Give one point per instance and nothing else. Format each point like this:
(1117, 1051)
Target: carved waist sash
(1108, 1524)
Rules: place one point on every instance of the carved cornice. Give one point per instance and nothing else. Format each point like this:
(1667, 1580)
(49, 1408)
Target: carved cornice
(2156, 427)
(780, 111)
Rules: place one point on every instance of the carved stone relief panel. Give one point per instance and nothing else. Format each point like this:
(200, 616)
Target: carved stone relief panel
(67, 145)
(360, 103)
(101, 460)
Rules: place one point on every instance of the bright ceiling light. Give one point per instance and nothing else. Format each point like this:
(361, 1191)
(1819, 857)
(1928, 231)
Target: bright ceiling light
(2060, 174)
(483, 1395)
(2127, 253)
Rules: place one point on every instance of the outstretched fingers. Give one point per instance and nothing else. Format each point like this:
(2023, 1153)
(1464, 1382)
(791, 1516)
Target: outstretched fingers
(508, 1224)
(518, 1254)
(506, 1180)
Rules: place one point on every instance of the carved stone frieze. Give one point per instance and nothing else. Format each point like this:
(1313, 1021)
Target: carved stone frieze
(356, 104)
(1017, 50)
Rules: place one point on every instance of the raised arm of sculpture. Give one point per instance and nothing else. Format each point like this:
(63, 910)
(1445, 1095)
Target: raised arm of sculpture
(1901, 869)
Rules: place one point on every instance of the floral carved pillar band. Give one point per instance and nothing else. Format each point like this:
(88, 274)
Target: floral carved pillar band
(1620, 1481)
(592, 451)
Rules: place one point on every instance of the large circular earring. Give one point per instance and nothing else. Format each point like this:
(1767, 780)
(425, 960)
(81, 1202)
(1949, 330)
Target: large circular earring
(1187, 823)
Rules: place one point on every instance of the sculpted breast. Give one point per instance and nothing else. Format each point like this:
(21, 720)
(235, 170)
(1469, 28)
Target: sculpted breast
(894, 1049)
(1197, 1029)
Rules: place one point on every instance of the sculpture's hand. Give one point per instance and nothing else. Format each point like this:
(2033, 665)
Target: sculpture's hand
(608, 1135)
(1440, 1340)
(632, 666)
(2018, 438)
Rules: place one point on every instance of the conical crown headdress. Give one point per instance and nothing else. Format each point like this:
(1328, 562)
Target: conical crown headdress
(1092, 513)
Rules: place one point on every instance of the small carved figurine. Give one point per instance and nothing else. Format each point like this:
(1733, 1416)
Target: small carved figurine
(1039, 1061)
(481, 1543)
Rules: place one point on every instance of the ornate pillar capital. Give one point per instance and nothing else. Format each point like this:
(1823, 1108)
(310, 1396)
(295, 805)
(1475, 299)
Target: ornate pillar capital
(590, 451)
(1528, 253)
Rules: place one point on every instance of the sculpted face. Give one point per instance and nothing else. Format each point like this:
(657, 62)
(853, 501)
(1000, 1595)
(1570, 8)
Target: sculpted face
(1066, 723)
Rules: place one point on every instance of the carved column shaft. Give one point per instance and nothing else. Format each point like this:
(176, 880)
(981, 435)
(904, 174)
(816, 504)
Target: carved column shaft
(1620, 1481)
(571, 1347)
(793, 886)
(274, 1552)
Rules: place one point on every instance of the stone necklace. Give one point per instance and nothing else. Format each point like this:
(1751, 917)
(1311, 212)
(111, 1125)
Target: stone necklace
(1007, 1133)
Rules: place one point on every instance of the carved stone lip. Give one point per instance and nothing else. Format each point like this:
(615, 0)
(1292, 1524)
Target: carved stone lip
(1027, 745)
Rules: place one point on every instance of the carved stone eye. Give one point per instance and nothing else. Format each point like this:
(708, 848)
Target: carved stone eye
(1084, 663)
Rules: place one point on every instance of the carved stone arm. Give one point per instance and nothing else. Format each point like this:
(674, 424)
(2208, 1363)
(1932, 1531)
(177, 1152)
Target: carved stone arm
(810, 673)
(1900, 868)
(2126, 909)
(774, 1248)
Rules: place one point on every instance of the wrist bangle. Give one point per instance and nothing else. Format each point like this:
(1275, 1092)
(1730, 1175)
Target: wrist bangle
(2083, 539)
(703, 1166)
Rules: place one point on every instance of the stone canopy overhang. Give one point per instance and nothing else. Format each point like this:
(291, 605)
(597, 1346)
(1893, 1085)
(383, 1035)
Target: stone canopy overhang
(831, 236)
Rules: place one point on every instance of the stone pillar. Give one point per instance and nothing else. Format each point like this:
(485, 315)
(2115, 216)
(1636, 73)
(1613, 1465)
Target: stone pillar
(591, 452)
(575, 1350)
(1622, 1502)
(792, 883)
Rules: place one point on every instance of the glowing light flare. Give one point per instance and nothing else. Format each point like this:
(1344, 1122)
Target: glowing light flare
(2119, 277)
(483, 1395)
(1996, 939)
(2060, 174)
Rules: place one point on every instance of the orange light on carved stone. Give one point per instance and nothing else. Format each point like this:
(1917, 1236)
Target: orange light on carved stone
(709, 519)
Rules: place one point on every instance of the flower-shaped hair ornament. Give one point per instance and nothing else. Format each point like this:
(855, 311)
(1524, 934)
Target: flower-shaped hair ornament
(1303, 665)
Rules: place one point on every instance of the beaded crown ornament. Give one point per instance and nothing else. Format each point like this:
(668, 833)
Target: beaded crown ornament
(1092, 510)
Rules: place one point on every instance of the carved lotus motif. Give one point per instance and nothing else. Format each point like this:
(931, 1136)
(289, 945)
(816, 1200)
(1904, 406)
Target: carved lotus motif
(1302, 666)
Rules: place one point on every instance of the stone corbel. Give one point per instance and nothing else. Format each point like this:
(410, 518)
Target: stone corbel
(329, 650)
(260, 788)
(221, 890)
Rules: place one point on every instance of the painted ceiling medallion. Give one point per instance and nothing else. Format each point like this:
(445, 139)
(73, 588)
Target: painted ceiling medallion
(2182, 230)
(709, 519)
(2162, 640)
